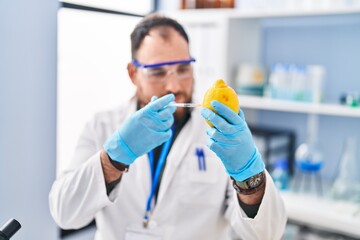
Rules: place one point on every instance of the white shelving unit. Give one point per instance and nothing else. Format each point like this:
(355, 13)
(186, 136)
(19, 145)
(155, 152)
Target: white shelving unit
(262, 103)
(336, 216)
(225, 39)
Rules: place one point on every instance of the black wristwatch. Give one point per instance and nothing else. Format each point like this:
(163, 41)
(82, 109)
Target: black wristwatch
(250, 185)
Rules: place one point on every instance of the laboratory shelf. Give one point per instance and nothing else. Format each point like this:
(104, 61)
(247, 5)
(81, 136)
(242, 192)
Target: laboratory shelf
(270, 13)
(262, 103)
(327, 214)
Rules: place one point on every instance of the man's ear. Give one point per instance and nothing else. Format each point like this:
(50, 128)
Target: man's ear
(132, 72)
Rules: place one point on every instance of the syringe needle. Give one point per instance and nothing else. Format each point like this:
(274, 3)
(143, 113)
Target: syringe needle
(188, 105)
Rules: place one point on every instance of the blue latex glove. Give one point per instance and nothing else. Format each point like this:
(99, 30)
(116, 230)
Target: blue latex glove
(231, 140)
(146, 129)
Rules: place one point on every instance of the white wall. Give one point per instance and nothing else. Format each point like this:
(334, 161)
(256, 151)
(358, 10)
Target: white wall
(137, 7)
(93, 52)
(27, 114)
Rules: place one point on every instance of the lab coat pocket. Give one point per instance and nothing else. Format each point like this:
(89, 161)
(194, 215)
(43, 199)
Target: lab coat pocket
(204, 177)
(209, 175)
(203, 166)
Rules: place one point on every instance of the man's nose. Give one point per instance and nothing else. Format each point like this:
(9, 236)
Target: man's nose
(172, 83)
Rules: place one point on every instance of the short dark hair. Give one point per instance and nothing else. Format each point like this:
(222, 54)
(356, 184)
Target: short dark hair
(150, 22)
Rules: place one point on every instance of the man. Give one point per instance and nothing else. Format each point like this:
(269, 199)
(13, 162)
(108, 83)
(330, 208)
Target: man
(143, 171)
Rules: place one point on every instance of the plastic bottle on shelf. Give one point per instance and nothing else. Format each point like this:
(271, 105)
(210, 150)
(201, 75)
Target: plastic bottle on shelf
(316, 75)
(298, 82)
(293, 75)
(280, 174)
(278, 80)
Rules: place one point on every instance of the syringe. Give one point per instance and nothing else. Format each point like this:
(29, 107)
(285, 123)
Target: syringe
(188, 105)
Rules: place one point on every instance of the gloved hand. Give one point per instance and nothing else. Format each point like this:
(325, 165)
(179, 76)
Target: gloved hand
(231, 140)
(146, 129)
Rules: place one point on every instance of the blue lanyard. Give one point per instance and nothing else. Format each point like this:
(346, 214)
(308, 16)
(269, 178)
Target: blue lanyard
(156, 174)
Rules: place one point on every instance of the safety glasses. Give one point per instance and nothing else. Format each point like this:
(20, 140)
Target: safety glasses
(158, 72)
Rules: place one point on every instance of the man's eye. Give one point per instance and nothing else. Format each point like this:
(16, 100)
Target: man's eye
(184, 69)
(157, 73)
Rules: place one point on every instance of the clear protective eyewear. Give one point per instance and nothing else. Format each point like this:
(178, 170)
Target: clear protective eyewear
(158, 72)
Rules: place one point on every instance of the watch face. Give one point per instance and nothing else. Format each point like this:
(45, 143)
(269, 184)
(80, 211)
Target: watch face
(251, 182)
(255, 180)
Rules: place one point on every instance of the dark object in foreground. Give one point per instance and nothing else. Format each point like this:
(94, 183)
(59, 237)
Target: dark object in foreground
(9, 229)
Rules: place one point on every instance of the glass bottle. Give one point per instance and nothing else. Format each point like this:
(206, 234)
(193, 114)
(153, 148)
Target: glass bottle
(347, 183)
(309, 161)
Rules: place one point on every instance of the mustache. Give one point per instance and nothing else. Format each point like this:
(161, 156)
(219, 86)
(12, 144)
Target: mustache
(181, 94)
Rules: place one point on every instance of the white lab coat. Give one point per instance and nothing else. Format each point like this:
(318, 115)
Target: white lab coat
(191, 204)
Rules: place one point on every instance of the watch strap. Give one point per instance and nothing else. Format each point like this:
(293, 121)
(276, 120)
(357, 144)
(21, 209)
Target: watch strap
(118, 165)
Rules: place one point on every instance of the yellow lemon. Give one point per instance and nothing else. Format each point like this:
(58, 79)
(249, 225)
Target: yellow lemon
(223, 93)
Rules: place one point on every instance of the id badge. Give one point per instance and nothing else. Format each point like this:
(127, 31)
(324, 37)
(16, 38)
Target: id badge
(141, 233)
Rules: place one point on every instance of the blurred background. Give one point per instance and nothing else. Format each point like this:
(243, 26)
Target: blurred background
(294, 64)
